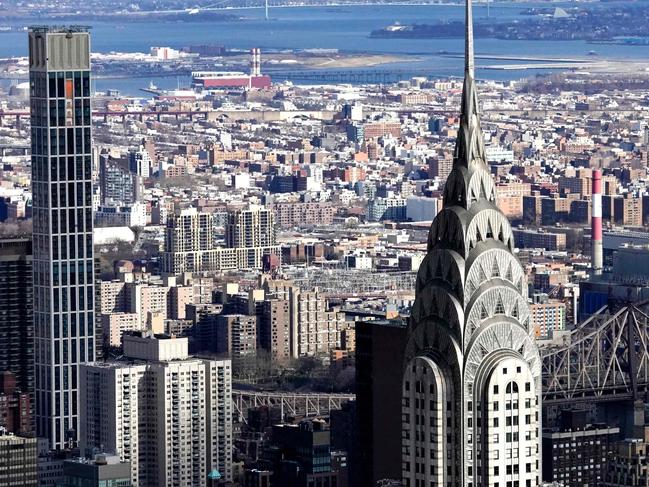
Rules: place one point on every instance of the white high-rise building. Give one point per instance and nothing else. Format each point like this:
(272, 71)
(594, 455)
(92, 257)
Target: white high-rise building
(168, 414)
(471, 388)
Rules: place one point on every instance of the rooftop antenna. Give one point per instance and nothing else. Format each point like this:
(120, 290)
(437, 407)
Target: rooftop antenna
(266, 9)
(469, 145)
(468, 46)
(488, 12)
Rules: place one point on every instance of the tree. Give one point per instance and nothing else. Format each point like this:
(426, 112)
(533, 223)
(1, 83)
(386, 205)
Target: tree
(345, 380)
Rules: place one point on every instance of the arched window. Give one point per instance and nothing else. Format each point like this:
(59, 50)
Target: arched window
(425, 423)
(512, 387)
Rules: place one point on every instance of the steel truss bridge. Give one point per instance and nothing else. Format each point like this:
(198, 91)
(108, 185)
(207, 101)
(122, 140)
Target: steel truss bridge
(606, 358)
(290, 404)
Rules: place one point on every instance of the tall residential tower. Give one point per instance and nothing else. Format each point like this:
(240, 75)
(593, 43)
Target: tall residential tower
(471, 387)
(59, 65)
(166, 413)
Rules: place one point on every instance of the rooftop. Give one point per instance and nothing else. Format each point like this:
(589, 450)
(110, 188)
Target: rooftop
(58, 29)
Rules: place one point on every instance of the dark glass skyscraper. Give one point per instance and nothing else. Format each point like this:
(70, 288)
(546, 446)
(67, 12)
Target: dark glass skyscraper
(16, 329)
(59, 64)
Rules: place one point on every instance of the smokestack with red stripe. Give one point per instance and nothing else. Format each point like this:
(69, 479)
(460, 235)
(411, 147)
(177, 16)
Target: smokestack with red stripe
(597, 254)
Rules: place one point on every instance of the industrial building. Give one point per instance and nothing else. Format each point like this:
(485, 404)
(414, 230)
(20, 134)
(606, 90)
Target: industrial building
(210, 80)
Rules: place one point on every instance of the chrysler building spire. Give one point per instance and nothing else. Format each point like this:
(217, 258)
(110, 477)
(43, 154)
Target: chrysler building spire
(468, 41)
(469, 144)
(471, 387)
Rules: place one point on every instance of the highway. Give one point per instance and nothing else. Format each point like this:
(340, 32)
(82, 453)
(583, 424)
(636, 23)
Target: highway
(401, 111)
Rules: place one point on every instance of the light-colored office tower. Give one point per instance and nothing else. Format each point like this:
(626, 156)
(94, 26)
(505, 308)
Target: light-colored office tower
(471, 384)
(168, 414)
(59, 67)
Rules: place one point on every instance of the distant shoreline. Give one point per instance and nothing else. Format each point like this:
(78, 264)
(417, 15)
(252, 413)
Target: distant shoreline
(184, 15)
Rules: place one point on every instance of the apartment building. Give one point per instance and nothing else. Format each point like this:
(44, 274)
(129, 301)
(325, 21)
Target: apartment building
(190, 245)
(166, 413)
(295, 214)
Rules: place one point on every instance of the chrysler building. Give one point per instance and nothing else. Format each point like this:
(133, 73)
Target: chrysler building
(471, 388)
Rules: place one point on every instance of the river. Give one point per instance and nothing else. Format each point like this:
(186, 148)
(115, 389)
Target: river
(345, 28)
